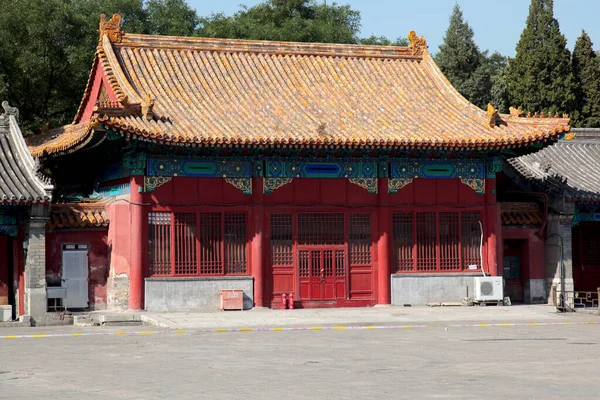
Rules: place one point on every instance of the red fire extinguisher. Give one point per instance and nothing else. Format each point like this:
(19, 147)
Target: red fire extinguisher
(284, 301)
(291, 301)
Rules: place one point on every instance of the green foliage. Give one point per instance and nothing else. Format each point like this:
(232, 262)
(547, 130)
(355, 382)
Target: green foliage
(171, 17)
(383, 41)
(586, 70)
(462, 63)
(540, 77)
(47, 48)
(286, 20)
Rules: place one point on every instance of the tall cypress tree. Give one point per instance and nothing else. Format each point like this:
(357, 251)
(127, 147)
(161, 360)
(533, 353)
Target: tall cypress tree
(540, 77)
(586, 70)
(461, 61)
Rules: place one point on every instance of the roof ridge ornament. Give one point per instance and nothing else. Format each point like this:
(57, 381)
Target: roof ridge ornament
(148, 107)
(492, 114)
(112, 28)
(8, 110)
(417, 44)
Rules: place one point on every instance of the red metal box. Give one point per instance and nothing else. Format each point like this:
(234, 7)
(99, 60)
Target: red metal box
(232, 299)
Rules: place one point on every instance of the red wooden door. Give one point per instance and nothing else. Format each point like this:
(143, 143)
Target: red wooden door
(513, 269)
(586, 257)
(4, 279)
(322, 273)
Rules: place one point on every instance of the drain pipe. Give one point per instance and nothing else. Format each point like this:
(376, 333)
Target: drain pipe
(481, 248)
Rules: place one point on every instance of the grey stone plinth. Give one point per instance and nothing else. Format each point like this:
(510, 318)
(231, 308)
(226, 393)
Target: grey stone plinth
(193, 294)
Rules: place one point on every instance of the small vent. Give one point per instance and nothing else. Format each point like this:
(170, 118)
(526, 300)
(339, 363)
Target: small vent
(487, 289)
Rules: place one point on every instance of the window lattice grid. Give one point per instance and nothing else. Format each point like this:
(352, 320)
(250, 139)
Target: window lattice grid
(328, 263)
(303, 263)
(360, 239)
(320, 228)
(281, 239)
(340, 261)
(210, 236)
(235, 243)
(470, 239)
(449, 241)
(402, 223)
(315, 263)
(185, 244)
(159, 243)
(426, 241)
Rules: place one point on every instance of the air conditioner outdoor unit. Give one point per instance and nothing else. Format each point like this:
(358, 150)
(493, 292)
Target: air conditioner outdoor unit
(488, 288)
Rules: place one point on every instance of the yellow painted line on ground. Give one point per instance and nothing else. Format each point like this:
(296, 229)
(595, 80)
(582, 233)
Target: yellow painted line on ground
(568, 323)
(316, 328)
(505, 324)
(533, 324)
(76, 334)
(483, 324)
(246, 330)
(222, 330)
(370, 327)
(407, 326)
(180, 331)
(278, 329)
(147, 333)
(120, 333)
(339, 328)
(10, 337)
(42, 335)
(590, 323)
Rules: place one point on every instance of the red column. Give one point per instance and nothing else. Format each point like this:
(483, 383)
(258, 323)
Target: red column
(383, 250)
(492, 228)
(136, 259)
(257, 251)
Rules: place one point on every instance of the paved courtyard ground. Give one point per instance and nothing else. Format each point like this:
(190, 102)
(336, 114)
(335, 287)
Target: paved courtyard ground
(555, 359)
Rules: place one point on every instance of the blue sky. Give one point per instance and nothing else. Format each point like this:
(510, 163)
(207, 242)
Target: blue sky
(497, 24)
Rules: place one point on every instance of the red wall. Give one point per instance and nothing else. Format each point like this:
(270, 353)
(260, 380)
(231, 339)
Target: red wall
(98, 259)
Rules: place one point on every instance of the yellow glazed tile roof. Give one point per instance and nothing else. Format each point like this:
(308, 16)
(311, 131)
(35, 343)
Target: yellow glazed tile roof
(64, 216)
(199, 91)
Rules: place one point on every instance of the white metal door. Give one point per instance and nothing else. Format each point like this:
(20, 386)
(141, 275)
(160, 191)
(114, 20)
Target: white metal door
(75, 277)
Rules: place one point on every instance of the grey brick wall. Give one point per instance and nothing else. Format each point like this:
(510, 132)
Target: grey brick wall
(35, 264)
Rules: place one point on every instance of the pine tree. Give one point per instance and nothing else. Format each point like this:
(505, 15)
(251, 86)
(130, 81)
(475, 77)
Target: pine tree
(540, 77)
(586, 70)
(461, 61)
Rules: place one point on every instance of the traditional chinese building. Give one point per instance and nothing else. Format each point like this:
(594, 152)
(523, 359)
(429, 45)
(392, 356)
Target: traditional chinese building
(567, 175)
(347, 175)
(24, 207)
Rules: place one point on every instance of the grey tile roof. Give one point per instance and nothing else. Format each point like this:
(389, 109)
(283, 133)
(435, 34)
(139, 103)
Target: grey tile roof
(19, 180)
(569, 165)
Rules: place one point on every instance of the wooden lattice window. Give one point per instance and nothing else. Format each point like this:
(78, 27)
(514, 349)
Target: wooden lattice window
(235, 243)
(436, 241)
(587, 240)
(471, 239)
(426, 241)
(191, 244)
(449, 241)
(402, 223)
(320, 229)
(185, 244)
(281, 239)
(360, 239)
(159, 243)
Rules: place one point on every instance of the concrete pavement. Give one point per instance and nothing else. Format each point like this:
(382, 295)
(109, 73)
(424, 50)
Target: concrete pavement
(361, 316)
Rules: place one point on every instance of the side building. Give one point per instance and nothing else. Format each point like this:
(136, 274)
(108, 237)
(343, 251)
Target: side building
(568, 174)
(347, 175)
(25, 197)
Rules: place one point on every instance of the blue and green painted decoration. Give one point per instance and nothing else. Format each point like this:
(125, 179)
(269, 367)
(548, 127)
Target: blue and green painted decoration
(279, 172)
(8, 222)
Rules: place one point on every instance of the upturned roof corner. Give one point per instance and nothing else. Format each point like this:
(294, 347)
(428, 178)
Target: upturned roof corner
(417, 44)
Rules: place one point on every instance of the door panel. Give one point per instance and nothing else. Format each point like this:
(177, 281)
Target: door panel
(322, 274)
(75, 277)
(4, 278)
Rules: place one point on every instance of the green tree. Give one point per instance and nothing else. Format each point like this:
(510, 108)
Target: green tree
(286, 20)
(47, 48)
(586, 70)
(540, 77)
(171, 17)
(383, 41)
(462, 63)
